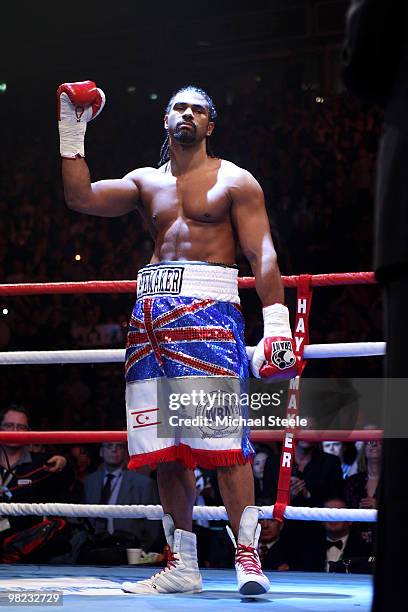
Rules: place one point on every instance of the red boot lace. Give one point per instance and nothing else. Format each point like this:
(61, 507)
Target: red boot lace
(248, 558)
(170, 558)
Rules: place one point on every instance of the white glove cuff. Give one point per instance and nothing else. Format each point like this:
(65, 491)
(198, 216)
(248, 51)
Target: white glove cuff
(72, 137)
(276, 321)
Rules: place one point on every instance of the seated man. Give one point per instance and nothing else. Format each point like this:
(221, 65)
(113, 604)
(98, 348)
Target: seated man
(113, 483)
(274, 546)
(32, 478)
(345, 550)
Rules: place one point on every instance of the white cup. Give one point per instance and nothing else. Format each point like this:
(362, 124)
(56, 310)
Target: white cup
(133, 555)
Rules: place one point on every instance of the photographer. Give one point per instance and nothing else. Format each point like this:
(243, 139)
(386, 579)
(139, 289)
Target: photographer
(32, 478)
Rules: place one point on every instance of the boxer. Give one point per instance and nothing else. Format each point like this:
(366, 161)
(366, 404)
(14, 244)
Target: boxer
(186, 325)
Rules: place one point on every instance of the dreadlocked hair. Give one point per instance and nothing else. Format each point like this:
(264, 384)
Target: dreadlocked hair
(212, 113)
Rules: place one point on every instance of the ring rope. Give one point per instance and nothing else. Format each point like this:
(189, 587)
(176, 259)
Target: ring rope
(153, 512)
(257, 435)
(312, 351)
(98, 356)
(129, 286)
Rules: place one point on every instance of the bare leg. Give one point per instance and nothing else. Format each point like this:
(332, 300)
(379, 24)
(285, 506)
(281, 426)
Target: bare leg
(236, 484)
(177, 489)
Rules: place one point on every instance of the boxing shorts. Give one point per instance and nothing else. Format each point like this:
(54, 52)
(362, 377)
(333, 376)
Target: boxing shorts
(186, 333)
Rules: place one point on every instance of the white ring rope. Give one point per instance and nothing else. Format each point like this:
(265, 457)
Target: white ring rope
(212, 513)
(344, 349)
(312, 351)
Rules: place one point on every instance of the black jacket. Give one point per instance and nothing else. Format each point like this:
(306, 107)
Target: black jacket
(322, 475)
(33, 484)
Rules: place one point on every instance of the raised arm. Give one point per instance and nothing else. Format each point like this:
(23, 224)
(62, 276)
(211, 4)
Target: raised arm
(274, 355)
(79, 103)
(108, 198)
(252, 226)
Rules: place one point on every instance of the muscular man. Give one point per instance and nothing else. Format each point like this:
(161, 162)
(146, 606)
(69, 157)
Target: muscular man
(187, 324)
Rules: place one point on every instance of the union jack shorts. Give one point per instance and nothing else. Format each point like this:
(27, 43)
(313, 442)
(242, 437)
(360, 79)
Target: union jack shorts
(179, 337)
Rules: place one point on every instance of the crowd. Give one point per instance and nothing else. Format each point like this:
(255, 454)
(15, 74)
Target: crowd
(315, 162)
(37, 474)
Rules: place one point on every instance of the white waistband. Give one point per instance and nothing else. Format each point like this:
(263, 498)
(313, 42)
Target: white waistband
(193, 279)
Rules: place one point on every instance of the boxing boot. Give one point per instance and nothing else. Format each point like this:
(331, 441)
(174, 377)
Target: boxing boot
(251, 579)
(181, 575)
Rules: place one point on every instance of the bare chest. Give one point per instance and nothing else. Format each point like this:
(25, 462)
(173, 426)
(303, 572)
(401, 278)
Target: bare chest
(201, 198)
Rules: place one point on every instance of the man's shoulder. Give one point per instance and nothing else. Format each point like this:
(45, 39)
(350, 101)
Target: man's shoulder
(327, 459)
(95, 475)
(141, 173)
(237, 176)
(35, 459)
(230, 169)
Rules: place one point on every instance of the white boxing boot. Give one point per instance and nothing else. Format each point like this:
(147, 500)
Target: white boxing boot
(251, 579)
(181, 575)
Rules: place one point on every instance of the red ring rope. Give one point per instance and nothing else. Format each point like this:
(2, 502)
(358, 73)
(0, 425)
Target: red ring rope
(129, 286)
(303, 283)
(261, 435)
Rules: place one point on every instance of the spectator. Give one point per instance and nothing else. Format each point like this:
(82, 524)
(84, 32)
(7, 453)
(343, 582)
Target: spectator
(258, 467)
(344, 549)
(113, 483)
(81, 460)
(362, 488)
(31, 478)
(346, 453)
(270, 546)
(316, 476)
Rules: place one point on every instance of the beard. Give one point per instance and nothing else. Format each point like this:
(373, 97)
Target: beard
(185, 135)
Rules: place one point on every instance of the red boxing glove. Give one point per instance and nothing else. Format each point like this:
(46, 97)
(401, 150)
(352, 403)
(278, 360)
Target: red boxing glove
(274, 356)
(279, 357)
(78, 103)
